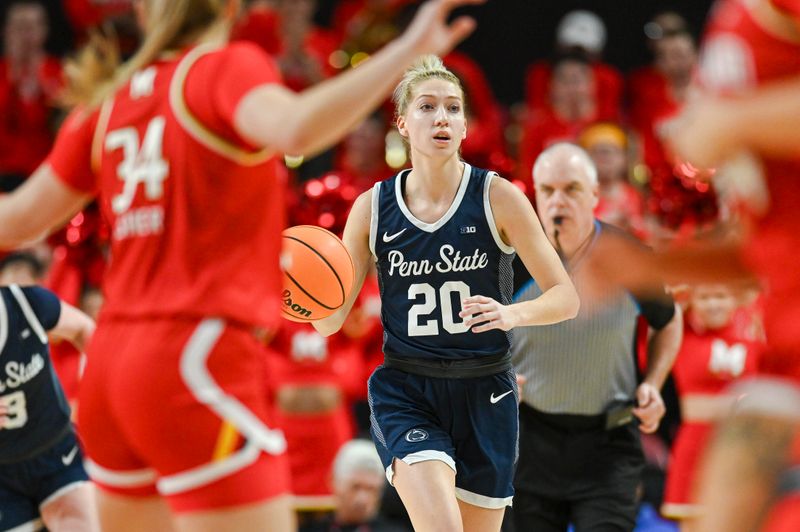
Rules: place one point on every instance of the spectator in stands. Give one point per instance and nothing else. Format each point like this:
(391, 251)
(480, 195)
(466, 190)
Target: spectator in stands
(620, 203)
(313, 380)
(366, 25)
(658, 91)
(485, 144)
(585, 32)
(358, 482)
(305, 48)
(713, 355)
(22, 268)
(30, 81)
(259, 24)
(572, 107)
(657, 94)
(87, 14)
(361, 157)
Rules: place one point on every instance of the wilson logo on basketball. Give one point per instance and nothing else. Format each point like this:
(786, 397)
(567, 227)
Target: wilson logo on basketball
(317, 273)
(294, 307)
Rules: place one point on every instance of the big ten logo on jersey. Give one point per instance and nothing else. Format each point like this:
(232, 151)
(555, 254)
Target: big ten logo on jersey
(727, 359)
(142, 163)
(309, 346)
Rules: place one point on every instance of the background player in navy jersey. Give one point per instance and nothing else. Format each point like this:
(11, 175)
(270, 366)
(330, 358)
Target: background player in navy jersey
(42, 480)
(444, 404)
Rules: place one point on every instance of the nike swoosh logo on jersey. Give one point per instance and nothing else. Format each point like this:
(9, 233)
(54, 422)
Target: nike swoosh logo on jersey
(493, 399)
(69, 457)
(389, 238)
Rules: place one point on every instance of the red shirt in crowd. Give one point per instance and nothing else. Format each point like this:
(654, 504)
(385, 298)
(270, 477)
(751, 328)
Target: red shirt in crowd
(26, 128)
(707, 363)
(608, 87)
(300, 357)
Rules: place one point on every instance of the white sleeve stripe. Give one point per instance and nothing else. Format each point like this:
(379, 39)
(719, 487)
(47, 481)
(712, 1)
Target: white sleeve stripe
(3, 324)
(28, 312)
(373, 220)
(487, 207)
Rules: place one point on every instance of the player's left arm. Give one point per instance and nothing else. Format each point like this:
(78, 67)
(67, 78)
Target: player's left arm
(42, 203)
(59, 318)
(663, 345)
(74, 326)
(711, 130)
(519, 227)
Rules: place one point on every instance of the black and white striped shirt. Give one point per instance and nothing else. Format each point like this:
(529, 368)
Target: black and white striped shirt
(581, 366)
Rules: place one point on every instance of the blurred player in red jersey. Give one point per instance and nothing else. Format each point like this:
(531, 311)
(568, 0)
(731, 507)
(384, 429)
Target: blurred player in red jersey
(713, 355)
(173, 400)
(750, 73)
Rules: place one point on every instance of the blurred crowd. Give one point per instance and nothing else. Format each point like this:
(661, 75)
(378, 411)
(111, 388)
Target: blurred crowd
(318, 385)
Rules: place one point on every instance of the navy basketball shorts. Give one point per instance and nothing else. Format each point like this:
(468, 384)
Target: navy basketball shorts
(470, 424)
(31, 484)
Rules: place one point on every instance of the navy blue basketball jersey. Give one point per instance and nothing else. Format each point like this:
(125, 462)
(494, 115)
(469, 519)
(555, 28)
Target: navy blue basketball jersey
(37, 414)
(426, 269)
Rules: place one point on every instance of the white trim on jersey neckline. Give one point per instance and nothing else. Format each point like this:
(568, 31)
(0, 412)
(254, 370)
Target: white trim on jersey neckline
(431, 227)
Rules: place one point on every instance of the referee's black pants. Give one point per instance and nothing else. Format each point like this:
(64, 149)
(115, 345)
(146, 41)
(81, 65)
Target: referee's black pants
(572, 470)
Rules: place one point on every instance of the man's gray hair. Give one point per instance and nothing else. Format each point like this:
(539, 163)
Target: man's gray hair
(356, 455)
(571, 150)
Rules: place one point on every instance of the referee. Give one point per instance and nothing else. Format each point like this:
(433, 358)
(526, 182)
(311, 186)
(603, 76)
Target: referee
(580, 453)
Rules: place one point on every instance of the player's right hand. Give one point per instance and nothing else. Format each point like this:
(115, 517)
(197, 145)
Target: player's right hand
(430, 33)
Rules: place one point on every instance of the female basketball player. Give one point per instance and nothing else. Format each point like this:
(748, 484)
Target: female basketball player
(749, 74)
(179, 146)
(42, 478)
(444, 404)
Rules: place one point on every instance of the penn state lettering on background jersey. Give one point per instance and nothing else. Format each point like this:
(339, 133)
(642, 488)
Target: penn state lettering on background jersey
(426, 269)
(37, 413)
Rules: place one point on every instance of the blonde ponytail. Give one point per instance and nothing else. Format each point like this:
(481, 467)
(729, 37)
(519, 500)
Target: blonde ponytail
(424, 68)
(170, 24)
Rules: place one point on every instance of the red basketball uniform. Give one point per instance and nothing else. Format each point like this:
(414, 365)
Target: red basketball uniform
(738, 54)
(706, 364)
(173, 397)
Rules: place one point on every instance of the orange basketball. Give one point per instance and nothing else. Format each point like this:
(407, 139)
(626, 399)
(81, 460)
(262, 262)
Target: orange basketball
(317, 273)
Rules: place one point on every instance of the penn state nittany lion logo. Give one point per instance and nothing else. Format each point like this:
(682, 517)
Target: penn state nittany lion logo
(415, 435)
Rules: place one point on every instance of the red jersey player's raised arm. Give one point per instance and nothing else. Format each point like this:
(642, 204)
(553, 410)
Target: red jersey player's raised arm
(270, 115)
(761, 120)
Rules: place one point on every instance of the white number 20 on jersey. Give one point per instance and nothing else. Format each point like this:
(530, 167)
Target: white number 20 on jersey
(418, 325)
(140, 164)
